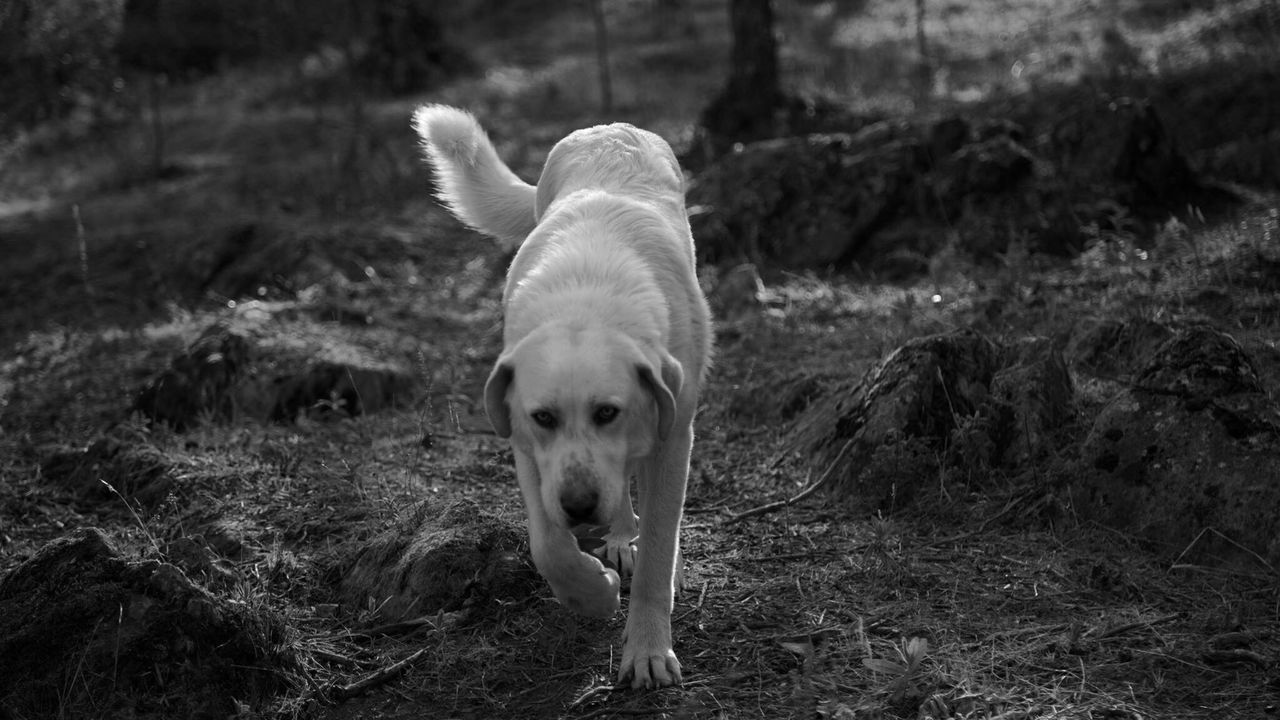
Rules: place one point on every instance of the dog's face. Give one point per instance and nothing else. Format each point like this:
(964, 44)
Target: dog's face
(582, 402)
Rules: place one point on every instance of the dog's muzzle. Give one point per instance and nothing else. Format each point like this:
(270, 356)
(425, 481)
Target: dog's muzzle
(579, 495)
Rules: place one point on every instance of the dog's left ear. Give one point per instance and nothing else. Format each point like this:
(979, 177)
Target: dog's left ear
(664, 386)
(495, 397)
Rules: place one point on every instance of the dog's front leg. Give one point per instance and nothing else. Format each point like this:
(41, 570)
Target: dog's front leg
(619, 547)
(578, 580)
(648, 659)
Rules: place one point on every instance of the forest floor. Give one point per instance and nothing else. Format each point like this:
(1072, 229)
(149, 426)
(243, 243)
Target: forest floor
(990, 598)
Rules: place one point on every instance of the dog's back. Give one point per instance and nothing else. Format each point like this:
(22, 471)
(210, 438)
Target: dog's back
(620, 159)
(486, 195)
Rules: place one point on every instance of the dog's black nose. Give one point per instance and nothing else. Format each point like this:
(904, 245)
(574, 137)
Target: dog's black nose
(579, 504)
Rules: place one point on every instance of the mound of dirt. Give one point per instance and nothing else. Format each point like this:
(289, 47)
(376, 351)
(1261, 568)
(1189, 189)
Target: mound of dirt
(111, 465)
(888, 196)
(1184, 454)
(803, 202)
(199, 382)
(243, 369)
(439, 558)
(1115, 347)
(1193, 445)
(84, 630)
(980, 403)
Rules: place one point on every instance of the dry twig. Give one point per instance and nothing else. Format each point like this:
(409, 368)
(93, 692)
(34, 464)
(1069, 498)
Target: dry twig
(374, 679)
(814, 487)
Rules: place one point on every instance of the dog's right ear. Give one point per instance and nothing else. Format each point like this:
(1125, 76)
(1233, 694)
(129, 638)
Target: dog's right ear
(664, 386)
(495, 397)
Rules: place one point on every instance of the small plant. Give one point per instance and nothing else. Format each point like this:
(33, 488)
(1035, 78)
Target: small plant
(884, 542)
(905, 673)
(151, 538)
(334, 405)
(285, 458)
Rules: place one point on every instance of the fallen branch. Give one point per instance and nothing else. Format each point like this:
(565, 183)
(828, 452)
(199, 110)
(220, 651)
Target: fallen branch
(1121, 629)
(813, 488)
(372, 680)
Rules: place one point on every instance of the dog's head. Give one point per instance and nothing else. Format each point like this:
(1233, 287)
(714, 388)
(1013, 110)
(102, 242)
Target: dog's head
(582, 401)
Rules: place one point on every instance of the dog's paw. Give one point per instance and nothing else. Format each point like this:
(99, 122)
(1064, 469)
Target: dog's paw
(648, 667)
(595, 596)
(618, 552)
(648, 661)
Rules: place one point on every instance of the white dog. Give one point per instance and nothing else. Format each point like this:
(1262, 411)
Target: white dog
(606, 342)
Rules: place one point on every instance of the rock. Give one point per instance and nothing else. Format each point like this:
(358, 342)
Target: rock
(439, 559)
(1194, 444)
(82, 628)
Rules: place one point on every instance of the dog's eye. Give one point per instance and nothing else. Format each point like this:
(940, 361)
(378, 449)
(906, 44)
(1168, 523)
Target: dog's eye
(605, 414)
(544, 418)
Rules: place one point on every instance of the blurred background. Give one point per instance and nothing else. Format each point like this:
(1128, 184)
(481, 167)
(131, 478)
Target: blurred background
(238, 333)
(156, 152)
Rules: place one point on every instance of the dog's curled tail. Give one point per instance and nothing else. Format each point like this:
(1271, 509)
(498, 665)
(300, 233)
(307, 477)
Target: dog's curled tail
(473, 181)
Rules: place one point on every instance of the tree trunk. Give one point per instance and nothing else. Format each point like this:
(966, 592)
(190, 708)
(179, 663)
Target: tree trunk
(924, 68)
(154, 89)
(753, 73)
(744, 110)
(602, 55)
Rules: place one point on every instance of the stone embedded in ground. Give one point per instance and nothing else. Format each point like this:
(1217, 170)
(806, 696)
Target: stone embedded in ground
(1193, 445)
(82, 629)
(438, 558)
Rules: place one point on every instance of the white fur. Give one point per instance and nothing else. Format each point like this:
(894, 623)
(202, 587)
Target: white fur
(602, 311)
(474, 183)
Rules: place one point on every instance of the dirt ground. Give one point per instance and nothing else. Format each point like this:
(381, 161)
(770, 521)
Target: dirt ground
(987, 596)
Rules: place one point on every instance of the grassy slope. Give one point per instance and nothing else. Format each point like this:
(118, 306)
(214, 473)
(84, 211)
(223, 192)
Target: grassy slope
(1025, 609)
